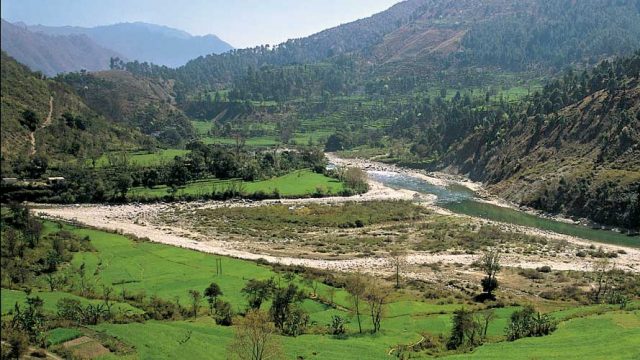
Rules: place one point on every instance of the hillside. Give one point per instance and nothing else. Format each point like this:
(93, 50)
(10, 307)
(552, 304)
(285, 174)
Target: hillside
(139, 102)
(435, 39)
(146, 42)
(53, 54)
(65, 127)
(575, 150)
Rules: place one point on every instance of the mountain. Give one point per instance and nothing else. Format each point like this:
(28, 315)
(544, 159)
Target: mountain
(46, 118)
(145, 42)
(53, 54)
(429, 39)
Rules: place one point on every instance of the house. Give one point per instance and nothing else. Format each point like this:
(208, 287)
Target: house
(54, 180)
(9, 181)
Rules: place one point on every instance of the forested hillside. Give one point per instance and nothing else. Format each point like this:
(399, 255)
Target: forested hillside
(574, 147)
(427, 40)
(51, 115)
(143, 103)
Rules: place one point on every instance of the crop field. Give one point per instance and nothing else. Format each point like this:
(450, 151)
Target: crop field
(298, 183)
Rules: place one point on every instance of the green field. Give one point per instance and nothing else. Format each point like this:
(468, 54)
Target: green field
(141, 158)
(614, 335)
(170, 272)
(297, 183)
(10, 297)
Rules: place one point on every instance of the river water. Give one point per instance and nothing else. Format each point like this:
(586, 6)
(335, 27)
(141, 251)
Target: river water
(462, 200)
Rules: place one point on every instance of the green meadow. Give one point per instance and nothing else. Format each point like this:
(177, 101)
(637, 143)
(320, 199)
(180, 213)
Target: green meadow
(170, 272)
(297, 183)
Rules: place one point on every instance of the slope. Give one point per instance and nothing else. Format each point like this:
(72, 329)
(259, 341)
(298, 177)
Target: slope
(575, 149)
(143, 103)
(62, 126)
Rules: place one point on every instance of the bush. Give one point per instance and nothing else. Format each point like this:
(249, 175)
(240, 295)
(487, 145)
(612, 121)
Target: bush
(544, 269)
(528, 323)
(223, 314)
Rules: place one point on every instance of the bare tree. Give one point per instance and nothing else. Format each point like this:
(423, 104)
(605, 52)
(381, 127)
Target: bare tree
(356, 286)
(196, 298)
(376, 296)
(398, 260)
(602, 269)
(487, 316)
(255, 338)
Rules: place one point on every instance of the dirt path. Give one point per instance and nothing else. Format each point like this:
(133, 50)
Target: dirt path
(47, 122)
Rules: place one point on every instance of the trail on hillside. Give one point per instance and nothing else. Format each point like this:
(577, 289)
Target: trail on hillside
(47, 122)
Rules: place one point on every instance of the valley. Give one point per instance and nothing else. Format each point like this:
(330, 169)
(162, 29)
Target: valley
(442, 179)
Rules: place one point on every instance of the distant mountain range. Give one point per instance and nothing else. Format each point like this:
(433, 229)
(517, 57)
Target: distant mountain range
(54, 50)
(52, 54)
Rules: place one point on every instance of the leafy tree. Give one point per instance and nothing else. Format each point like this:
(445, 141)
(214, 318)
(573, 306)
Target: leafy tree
(211, 293)
(490, 264)
(282, 311)
(223, 314)
(467, 331)
(31, 320)
(258, 291)
(29, 120)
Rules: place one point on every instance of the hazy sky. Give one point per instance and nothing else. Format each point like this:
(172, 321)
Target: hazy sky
(242, 23)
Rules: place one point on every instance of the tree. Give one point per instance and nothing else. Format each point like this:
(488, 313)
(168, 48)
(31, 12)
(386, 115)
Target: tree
(29, 120)
(30, 320)
(123, 183)
(258, 291)
(487, 316)
(376, 296)
(490, 264)
(223, 314)
(196, 297)
(19, 343)
(281, 306)
(211, 293)
(356, 286)
(466, 330)
(602, 270)
(255, 338)
(398, 260)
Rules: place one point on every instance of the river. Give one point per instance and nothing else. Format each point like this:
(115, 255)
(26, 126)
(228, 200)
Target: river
(462, 200)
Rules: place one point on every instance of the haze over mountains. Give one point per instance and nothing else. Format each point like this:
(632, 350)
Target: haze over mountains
(54, 50)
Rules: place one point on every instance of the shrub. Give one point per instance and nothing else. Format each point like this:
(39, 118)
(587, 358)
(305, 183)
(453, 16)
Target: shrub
(528, 323)
(544, 269)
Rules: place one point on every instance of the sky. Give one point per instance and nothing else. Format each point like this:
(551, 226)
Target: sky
(242, 23)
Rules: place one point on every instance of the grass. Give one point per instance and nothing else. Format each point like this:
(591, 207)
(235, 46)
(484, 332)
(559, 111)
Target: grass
(169, 272)
(614, 335)
(60, 335)
(10, 297)
(141, 158)
(297, 183)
